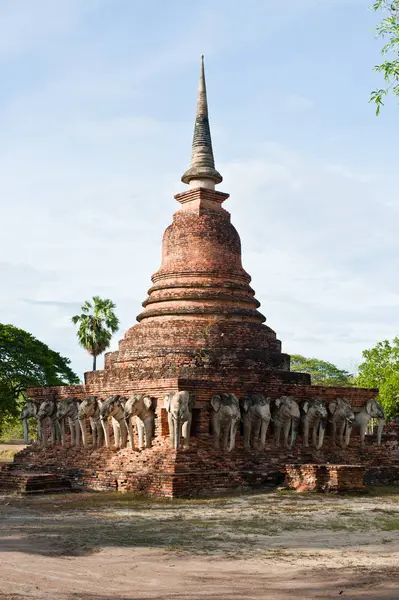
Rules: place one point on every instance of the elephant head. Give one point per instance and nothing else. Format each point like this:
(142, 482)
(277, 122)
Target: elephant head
(47, 410)
(141, 407)
(343, 418)
(179, 407)
(372, 410)
(285, 416)
(225, 419)
(256, 418)
(114, 406)
(314, 416)
(375, 410)
(67, 409)
(89, 409)
(29, 410)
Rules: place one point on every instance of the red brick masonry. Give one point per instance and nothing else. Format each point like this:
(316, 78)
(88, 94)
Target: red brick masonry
(325, 478)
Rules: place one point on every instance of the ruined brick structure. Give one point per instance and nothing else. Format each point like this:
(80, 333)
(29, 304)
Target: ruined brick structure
(200, 331)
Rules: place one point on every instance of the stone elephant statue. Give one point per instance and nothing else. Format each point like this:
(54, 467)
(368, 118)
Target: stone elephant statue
(256, 418)
(140, 406)
(89, 409)
(314, 417)
(67, 410)
(114, 407)
(285, 416)
(372, 410)
(179, 406)
(29, 411)
(48, 412)
(225, 420)
(342, 419)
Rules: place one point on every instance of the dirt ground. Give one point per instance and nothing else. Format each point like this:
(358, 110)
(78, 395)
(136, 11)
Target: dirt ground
(8, 450)
(272, 545)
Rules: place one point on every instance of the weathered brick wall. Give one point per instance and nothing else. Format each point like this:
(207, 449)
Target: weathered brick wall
(200, 470)
(324, 478)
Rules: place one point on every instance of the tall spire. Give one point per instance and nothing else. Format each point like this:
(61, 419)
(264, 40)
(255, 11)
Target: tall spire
(202, 172)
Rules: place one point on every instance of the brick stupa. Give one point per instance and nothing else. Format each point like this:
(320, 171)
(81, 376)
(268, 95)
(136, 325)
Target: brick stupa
(201, 316)
(200, 331)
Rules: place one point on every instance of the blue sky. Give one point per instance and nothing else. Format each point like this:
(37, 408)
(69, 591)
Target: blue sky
(97, 102)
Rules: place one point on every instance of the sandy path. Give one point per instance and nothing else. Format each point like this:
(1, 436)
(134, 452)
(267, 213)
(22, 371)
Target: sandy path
(154, 574)
(45, 554)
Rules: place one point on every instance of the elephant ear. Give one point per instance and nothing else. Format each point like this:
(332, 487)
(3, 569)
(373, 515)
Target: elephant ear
(278, 402)
(305, 406)
(332, 407)
(166, 402)
(147, 402)
(215, 403)
(369, 406)
(191, 402)
(246, 403)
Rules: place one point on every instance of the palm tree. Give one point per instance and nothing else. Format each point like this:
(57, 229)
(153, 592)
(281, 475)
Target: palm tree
(97, 323)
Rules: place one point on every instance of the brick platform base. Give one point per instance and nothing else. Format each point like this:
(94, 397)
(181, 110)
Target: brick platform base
(200, 470)
(325, 478)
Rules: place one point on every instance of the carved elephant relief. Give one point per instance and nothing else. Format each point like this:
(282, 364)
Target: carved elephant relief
(342, 420)
(256, 418)
(29, 411)
(89, 409)
(141, 407)
(285, 416)
(226, 417)
(179, 406)
(48, 413)
(314, 418)
(114, 407)
(372, 410)
(67, 410)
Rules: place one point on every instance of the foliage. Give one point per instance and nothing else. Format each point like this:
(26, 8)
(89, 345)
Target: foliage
(380, 369)
(388, 28)
(26, 362)
(322, 372)
(97, 323)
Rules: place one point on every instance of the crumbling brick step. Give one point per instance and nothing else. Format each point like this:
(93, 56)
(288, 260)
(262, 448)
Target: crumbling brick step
(23, 482)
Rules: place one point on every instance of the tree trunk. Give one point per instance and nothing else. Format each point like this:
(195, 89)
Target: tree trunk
(94, 362)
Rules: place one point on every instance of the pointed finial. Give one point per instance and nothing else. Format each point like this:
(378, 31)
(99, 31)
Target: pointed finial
(202, 172)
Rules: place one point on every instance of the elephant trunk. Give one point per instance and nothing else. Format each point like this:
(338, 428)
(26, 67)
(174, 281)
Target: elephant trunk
(348, 431)
(26, 431)
(232, 440)
(322, 429)
(294, 427)
(263, 431)
(44, 432)
(177, 432)
(128, 422)
(82, 424)
(106, 432)
(62, 428)
(381, 426)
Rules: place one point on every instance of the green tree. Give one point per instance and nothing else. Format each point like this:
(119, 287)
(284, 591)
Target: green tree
(321, 372)
(380, 369)
(97, 324)
(26, 362)
(388, 29)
